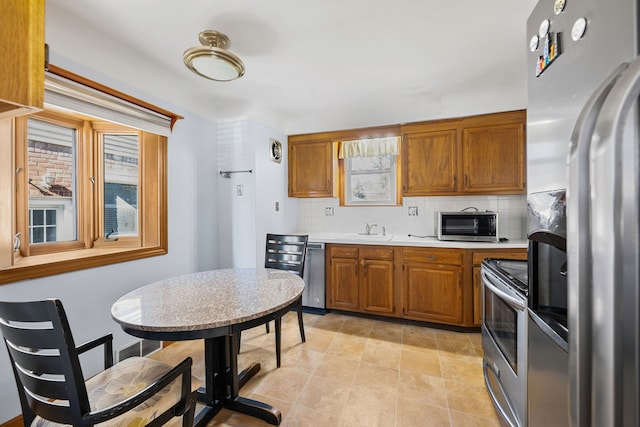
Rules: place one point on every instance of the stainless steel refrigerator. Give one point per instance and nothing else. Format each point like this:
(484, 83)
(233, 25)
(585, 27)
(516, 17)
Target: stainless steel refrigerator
(582, 136)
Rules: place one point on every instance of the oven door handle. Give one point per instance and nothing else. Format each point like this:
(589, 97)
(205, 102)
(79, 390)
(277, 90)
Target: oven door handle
(514, 302)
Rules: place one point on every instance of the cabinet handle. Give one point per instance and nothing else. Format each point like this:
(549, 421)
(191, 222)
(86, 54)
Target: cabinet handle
(432, 257)
(466, 180)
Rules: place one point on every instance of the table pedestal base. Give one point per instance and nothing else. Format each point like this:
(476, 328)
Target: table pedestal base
(223, 383)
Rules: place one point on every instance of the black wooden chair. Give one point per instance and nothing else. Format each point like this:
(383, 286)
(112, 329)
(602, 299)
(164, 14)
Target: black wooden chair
(52, 387)
(286, 252)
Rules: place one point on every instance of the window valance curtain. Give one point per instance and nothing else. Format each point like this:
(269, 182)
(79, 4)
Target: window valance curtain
(62, 92)
(372, 147)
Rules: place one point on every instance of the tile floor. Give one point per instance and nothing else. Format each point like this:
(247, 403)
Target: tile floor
(354, 371)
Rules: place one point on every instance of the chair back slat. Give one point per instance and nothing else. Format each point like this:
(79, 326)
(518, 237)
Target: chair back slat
(48, 386)
(37, 360)
(24, 335)
(44, 360)
(286, 252)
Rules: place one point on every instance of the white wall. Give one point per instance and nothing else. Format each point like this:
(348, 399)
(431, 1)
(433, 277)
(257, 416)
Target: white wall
(89, 294)
(271, 188)
(245, 218)
(236, 212)
(311, 214)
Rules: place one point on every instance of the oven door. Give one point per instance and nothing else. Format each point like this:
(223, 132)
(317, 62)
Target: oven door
(504, 341)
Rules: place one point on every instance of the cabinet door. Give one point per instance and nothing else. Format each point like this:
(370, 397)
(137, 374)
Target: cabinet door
(433, 292)
(377, 286)
(429, 163)
(311, 169)
(477, 297)
(343, 289)
(22, 57)
(493, 159)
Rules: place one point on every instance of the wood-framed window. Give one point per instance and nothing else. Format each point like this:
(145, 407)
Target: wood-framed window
(370, 172)
(83, 192)
(371, 181)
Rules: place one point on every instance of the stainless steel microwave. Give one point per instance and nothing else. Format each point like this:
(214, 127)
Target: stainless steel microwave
(468, 226)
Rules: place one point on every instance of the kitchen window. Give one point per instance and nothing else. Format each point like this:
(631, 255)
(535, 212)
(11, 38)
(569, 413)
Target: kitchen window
(87, 191)
(370, 172)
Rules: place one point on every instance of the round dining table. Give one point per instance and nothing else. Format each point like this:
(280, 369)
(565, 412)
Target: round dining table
(214, 306)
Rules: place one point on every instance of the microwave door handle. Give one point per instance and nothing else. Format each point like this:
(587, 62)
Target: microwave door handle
(514, 302)
(608, 216)
(579, 251)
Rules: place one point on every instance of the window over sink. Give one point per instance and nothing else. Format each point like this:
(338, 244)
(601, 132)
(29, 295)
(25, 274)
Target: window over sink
(369, 172)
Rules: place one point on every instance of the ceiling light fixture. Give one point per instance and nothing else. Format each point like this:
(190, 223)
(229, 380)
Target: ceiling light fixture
(212, 60)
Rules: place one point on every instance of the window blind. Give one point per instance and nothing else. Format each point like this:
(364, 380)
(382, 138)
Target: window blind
(65, 93)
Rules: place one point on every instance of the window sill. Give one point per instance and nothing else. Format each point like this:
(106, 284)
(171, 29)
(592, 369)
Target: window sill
(64, 262)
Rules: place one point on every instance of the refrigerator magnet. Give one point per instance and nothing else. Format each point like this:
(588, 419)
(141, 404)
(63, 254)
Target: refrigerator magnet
(544, 28)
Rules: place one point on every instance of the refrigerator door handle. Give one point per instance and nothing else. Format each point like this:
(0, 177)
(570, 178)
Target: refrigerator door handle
(579, 248)
(607, 218)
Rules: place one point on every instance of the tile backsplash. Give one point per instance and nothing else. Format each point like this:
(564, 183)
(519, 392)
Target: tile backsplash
(326, 214)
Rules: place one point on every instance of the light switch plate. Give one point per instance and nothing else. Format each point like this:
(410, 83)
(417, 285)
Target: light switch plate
(413, 211)
(328, 211)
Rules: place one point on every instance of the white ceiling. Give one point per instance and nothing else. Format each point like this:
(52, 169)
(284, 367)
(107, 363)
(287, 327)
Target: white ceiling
(312, 65)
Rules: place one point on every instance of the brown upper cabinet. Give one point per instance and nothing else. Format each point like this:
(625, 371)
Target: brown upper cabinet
(22, 55)
(493, 148)
(311, 168)
(472, 155)
(430, 154)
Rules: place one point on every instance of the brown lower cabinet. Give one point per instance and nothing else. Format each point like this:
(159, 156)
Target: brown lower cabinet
(361, 278)
(429, 284)
(433, 285)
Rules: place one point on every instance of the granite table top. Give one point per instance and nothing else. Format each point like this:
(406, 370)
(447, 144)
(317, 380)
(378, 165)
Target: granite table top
(207, 300)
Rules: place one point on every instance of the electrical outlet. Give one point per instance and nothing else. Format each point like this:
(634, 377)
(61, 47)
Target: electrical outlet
(328, 211)
(413, 211)
(239, 189)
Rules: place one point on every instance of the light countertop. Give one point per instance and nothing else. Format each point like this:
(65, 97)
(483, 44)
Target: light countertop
(408, 240)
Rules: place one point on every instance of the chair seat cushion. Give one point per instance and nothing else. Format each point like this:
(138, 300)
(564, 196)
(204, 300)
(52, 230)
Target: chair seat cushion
(120, 382)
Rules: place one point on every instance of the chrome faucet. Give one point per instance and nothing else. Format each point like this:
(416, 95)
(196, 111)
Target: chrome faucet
(368, 228)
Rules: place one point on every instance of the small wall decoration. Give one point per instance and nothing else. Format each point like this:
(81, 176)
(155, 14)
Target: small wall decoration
(275, 152)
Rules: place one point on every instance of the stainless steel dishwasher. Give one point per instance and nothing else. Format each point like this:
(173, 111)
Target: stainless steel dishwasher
(314, 291)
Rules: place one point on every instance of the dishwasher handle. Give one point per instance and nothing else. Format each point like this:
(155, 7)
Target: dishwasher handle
(315, 246)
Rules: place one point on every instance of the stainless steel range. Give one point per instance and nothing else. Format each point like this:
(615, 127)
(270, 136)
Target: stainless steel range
(504, 336)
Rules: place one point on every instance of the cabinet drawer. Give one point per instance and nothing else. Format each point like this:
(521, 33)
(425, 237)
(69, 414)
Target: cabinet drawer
(343, 251)
(479, 256)
(440, 256)
(376, 253)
